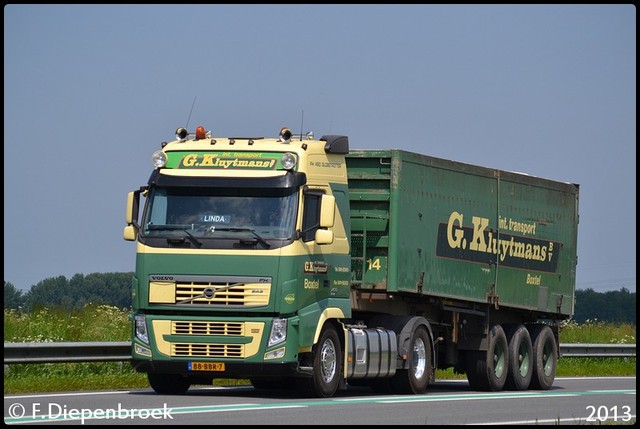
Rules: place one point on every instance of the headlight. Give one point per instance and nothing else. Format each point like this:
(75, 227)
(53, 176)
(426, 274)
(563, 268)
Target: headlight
(141, 329)
(288, 161)
(278, 332)
(159, 159)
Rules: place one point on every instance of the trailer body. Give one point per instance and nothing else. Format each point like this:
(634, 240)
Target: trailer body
(434, 227)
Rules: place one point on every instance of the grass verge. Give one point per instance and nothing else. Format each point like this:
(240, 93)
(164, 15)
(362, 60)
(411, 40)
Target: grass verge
(105, 323)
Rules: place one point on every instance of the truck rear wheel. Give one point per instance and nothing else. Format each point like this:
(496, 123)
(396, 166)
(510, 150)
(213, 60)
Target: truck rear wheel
(416, 378)
(327, 366)
(545, 357)
(168, 384)
(488, 370)
(520, 358)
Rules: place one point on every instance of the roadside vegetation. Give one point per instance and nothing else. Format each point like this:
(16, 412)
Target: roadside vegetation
(108, 323)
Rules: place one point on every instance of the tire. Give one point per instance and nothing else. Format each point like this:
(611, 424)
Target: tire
(487, 371)
(327, 366)
(545, 357)
(416, 378)
(168, 384)
(473, 360)
(520, 358)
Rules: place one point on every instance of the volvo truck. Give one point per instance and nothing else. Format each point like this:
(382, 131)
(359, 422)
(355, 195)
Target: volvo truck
(296, 262)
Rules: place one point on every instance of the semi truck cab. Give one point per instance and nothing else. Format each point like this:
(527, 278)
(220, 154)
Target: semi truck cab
(242, 253)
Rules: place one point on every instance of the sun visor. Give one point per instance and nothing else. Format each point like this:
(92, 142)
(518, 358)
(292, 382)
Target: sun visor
(288, 180)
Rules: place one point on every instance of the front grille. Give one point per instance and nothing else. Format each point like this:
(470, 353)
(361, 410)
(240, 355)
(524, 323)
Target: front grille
(207, 328)
(208, 339)
(207, 350)
(224, 294)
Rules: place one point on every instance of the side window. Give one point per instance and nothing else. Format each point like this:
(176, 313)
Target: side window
(311, 216)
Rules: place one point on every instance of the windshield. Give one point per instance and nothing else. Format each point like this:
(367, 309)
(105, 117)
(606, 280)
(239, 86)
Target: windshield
(219, 218)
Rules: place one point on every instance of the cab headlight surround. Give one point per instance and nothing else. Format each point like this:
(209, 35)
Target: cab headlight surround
(141, 328)
(278, 332)
(141, 350)
(275, 354)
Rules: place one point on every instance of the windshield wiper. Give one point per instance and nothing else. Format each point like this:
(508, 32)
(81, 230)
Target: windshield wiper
(252, 231)
(183, 228)
(193, 239)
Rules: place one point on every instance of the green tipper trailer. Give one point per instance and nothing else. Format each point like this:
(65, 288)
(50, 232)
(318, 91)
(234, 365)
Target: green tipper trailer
(429, 226)
(301, 263)
(469, 248)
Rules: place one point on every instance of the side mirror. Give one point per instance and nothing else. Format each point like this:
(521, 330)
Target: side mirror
(324, 236)
(131, 217)
(130, 232)
(133, 204)
(327, 211)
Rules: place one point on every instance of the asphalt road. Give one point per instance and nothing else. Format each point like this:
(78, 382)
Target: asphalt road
(571, 401)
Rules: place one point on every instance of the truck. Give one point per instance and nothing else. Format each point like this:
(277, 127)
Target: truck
(296, 263)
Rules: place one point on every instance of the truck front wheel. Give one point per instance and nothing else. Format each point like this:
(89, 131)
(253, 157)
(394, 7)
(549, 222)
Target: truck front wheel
(416, 378)
(327, 366)
(168, 384)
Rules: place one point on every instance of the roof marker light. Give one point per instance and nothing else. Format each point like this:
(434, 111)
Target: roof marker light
(200, 133)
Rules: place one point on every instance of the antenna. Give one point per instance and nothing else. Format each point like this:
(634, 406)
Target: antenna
(191, 111)
(302, 125)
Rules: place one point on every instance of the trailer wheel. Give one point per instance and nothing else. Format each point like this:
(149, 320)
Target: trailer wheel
(168, 384)
(416, 378)
(488, 370)
(520, 358)
(545, 357)
(327, 366)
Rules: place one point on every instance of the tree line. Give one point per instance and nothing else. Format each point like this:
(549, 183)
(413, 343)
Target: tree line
(71, 294)
(115, 289)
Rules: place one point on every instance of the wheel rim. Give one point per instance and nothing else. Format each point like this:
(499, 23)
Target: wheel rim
(523, 360)
(499, 360)
(547, 361)
(328, 361)
(419, 358)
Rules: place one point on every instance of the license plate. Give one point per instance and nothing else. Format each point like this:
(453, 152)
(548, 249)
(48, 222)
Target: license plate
(206, 366)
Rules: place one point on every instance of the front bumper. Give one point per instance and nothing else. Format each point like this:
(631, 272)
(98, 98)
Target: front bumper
(232, 369)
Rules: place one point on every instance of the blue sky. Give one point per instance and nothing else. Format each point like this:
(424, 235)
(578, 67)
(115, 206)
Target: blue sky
(91, 91)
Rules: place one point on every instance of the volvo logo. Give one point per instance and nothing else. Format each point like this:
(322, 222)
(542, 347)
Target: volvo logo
(161, 278)
(209, 292)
